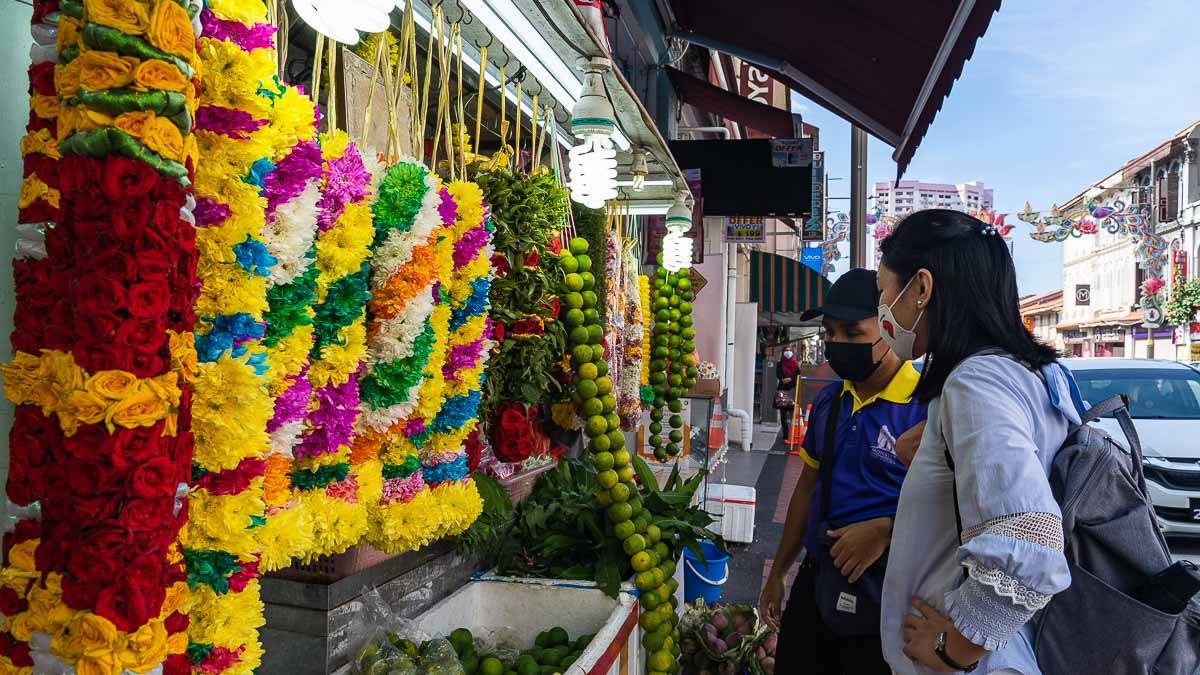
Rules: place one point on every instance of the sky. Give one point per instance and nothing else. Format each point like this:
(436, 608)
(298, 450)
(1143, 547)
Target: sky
(1057, 96)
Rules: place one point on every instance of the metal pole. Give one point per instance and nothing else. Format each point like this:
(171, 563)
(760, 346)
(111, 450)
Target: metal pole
(858, 197)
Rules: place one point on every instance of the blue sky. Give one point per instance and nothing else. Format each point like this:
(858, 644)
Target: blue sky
(1057, 96)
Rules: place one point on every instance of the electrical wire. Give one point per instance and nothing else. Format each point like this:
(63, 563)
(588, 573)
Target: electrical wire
(562, 36)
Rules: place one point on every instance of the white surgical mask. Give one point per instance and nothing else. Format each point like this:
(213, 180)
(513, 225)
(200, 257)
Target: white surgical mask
(788, 354)
(899, 338)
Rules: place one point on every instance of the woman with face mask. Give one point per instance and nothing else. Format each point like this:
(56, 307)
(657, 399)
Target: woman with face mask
(786, 372)
(842, 507)
(959, 598)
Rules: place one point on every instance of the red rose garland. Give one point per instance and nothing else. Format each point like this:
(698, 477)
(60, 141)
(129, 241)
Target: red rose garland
(102, 361)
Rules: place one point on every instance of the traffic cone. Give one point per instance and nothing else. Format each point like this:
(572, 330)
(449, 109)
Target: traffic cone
(716, 431)
(797, 428)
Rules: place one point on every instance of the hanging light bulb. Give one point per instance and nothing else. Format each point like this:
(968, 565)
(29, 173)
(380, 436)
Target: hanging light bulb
(341, 20)
(593, 163)
(639, 169)
(676, 245)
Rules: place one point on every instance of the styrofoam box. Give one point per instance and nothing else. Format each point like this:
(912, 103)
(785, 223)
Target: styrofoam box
(733, 505)
(511, 612)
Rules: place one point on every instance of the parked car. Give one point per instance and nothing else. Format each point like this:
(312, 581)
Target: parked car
(1164, 402)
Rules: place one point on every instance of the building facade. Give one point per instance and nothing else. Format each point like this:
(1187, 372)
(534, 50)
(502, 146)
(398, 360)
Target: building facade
(1042, 314)
(899, 199)
(1102, 271)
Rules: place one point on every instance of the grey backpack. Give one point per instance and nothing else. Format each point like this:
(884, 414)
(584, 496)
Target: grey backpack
(1113, 545)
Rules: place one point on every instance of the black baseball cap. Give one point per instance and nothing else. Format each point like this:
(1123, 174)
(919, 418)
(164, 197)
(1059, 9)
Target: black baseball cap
(853, 297)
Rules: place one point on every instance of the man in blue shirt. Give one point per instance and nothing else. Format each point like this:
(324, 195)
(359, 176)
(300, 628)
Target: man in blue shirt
(831, 622)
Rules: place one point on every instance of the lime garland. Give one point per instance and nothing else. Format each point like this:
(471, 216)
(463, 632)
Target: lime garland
(673, 368)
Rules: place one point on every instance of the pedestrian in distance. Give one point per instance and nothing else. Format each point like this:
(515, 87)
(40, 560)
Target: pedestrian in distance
(787, 371)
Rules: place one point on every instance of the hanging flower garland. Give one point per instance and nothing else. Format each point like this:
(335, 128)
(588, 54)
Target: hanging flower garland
(408, 515)
(328, 491)
(98, 587)
(443, 456)
(647, 392)
(291, 183)
(635, 340)
(41, 319)
(236, 143)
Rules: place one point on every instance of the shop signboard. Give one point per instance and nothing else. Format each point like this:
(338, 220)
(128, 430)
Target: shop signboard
(698, 281)
(756, 85)
(811, 257)
(814, 227)
(1108, 334)
(745, 230)
(791, 153)
(1180, 261)
(1195, 332)
(1083, 294)
(1075, 336)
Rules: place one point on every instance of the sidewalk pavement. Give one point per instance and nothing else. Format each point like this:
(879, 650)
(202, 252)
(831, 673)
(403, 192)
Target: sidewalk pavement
(773, 473)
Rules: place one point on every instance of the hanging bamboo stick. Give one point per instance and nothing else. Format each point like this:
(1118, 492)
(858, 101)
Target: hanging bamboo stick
(503, 109)
(461, 132)
(331, 47)
(317, 67)
(424, 108)
(533, 132)
(479, 96)
(517, 141)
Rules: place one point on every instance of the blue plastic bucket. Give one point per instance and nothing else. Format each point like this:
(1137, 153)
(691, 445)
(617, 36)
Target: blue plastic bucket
(704, 580)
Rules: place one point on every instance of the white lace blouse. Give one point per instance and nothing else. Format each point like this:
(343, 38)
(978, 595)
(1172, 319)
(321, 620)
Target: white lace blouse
(1003, 425)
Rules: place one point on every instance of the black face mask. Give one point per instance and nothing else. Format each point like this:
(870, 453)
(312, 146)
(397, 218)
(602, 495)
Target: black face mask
(852, 360)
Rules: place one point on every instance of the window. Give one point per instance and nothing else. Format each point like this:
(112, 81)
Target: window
(1152, 394)
(1167, 194)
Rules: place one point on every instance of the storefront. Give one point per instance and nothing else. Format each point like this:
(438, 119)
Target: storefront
(1075, 340)
(1165, 342)
(1108, 341)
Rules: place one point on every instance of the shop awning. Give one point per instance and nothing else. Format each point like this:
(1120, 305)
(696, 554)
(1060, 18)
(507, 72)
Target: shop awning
(885, 66)
(754, 115)
(783, 285)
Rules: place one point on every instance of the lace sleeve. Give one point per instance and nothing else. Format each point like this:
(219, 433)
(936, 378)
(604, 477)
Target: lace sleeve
(992, 604)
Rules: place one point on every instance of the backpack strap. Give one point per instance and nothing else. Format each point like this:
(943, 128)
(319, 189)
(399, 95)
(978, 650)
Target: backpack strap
(954, 495)
(828, 452)
(1118, 407)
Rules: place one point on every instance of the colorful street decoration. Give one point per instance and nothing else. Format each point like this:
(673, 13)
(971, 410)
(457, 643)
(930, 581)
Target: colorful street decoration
(1119, 218)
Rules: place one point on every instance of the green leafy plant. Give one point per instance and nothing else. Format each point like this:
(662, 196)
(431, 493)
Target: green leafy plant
(1185, 299)
(484, 535)
(527, 212)
(559, 531)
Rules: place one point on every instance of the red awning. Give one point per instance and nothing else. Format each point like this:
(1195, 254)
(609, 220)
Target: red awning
(754, 115)
(885, 66)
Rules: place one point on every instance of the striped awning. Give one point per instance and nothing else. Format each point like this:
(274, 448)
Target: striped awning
(784, 285)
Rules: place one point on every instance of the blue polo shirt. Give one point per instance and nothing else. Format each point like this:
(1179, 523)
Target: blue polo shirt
(866, 472)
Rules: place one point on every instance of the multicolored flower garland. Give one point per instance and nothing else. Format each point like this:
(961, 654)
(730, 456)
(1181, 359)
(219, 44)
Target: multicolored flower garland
(229, 465)
(328, 490)
(443, 456)
(634, 340)
(406, 517)
(103, 586)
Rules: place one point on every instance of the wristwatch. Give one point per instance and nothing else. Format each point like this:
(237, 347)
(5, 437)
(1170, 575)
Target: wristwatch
(939, 648)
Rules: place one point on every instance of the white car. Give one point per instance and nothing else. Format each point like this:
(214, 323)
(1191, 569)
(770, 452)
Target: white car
(1164, 402)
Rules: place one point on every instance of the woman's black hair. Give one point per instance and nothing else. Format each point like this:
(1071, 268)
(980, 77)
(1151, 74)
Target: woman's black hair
(975, 304)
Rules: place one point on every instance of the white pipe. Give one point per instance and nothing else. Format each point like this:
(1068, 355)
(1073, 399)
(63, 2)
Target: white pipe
(722, 131)
(747, 427)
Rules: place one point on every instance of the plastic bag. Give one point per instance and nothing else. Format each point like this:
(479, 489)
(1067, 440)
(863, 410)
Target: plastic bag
(374, 653)
(439, 658)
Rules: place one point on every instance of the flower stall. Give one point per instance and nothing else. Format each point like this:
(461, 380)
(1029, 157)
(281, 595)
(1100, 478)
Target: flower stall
(259, 362)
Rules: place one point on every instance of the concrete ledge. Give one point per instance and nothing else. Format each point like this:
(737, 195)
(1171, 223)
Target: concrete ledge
(311, 624)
